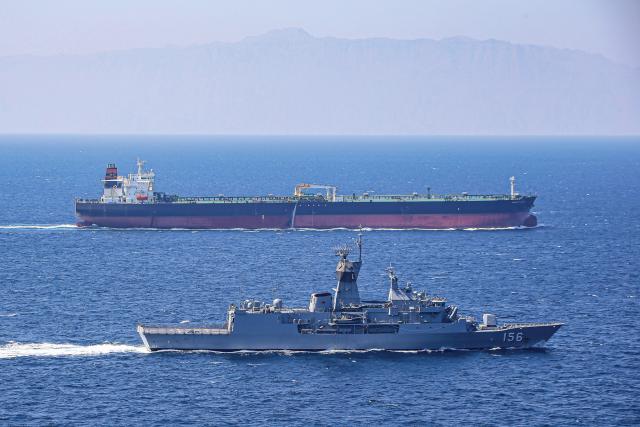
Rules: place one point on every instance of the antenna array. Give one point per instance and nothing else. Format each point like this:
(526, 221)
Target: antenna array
(342, 250)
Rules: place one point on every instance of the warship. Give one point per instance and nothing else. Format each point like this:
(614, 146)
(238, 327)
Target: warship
(406, 320)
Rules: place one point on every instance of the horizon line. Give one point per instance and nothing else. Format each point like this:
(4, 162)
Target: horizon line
(312, 135)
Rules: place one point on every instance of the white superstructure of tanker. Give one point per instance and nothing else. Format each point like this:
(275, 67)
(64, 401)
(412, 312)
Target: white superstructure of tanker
(134, 188)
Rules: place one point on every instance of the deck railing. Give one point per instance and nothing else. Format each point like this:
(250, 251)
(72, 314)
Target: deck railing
(177, 330)
(358, 198)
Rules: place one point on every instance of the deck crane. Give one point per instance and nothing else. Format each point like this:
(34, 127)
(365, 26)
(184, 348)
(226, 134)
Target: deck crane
(330, 189)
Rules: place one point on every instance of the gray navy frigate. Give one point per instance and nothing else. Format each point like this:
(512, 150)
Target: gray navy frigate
(406, 320)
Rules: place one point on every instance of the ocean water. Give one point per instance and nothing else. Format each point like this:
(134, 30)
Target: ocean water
(70, 298)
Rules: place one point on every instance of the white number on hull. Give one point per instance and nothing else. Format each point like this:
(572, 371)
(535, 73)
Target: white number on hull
(512, 337)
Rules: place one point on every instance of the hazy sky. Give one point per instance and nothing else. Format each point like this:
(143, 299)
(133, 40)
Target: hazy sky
(609, 27)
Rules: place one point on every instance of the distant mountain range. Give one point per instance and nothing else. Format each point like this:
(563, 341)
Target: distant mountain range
(289, 82)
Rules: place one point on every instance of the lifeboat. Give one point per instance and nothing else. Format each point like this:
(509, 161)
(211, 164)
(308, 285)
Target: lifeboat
(141, 197)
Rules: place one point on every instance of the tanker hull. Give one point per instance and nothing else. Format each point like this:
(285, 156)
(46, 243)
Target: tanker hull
(131, 202)
(310, 215)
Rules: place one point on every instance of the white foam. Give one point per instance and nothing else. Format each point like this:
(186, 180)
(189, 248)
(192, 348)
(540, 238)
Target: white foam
(15, 349)
(314, 352)
(8, 314)
(522, 227)
(380, 350)
(246, 230)
(370, 229)
(38, 227)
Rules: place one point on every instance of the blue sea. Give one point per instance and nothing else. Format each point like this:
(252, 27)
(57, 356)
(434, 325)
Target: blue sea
(70, 298)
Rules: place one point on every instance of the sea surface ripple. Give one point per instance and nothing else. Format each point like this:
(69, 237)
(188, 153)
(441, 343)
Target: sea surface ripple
(71, 297)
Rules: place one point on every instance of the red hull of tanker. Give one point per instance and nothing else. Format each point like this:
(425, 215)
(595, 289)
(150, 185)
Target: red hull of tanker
(425, 221)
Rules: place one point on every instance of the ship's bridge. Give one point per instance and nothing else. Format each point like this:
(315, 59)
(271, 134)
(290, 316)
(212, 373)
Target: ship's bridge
(135, 188)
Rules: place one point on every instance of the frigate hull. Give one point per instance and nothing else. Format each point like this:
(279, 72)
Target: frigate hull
(520, 336)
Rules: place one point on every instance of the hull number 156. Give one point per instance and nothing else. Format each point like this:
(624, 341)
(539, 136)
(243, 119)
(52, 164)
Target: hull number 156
(512, 337)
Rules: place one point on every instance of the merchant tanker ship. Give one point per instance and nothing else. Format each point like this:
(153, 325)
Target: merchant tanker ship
(131, 202)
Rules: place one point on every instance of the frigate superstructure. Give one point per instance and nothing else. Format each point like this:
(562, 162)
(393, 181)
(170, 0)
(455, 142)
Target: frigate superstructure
(406, 320)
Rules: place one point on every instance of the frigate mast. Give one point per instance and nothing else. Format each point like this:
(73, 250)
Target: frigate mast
(346, 292)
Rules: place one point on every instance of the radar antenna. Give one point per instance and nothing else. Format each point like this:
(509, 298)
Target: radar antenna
(391, 271)
(140, 164)
(342, 251)
(359, 245)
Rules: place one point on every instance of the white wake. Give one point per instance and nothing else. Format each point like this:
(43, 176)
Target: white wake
(38, 227)
(15, 349)
(248, 230)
